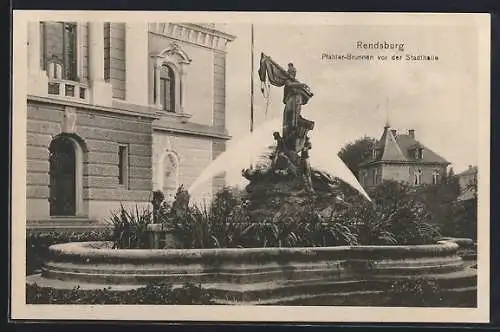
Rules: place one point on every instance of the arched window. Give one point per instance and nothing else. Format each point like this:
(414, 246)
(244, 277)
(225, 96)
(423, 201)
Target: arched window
(167, 88)
(435, 177)
(169, 78)
(170, 174)
(59, 50)
(65, 187)
(417, 177)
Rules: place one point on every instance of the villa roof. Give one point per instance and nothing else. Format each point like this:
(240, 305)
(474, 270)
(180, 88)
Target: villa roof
(394, 147)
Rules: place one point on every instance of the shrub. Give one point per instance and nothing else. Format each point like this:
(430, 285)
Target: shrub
(396, 217)
(226, 224)
(130, 228)
(462, 221)
(37, 244)
(418, 292)
(159, 293)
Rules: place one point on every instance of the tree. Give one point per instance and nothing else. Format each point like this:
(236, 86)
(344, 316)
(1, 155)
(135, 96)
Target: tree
(356, 152)
(451, 173)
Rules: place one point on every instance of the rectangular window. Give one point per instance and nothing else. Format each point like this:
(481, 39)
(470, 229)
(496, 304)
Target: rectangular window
(435, 177)
(123, 165)
(418, 177)
(59, 49)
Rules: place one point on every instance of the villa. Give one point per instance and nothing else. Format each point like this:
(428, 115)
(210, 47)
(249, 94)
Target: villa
(401, 157)
(117, 110)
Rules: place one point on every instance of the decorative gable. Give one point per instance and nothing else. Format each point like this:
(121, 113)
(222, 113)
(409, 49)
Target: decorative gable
(403, 148)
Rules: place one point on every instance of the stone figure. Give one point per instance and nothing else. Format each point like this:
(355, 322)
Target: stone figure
(305, 166)
(180, 205)
(157, 202)
(292, 144)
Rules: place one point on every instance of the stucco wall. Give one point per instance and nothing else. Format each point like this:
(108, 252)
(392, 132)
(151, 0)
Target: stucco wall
(194, 154)
(399, 173)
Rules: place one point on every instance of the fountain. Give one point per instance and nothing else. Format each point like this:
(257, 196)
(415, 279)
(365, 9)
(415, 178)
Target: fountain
(340, 275)
(288, 179)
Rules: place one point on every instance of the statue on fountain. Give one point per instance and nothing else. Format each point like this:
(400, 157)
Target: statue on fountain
(287, 181)
(292, 147)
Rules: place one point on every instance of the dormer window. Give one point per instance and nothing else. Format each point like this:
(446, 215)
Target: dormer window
(420, 153)
(417, 152)
(374, 153)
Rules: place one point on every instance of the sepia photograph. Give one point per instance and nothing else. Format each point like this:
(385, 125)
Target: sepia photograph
(251, 167)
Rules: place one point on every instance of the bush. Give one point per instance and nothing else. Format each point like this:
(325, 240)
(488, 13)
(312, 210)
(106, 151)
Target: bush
(151, 294)
(462, 221)
(226, 224)
(130, 228)
(37, 244)
(419, 292)
(396, 217)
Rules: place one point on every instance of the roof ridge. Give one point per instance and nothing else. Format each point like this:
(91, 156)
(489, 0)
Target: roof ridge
(391, 144)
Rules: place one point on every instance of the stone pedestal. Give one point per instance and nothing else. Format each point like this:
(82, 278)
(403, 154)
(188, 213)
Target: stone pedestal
(161, 237)
(273, 194)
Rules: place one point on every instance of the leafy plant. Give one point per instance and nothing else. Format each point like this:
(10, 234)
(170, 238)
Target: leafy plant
(396, 217)
(130, 228)
(415, 292)
(38, 243)
(158, 293)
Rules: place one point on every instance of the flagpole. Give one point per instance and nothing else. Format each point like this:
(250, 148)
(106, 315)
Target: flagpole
(251, 88)
(251, 81)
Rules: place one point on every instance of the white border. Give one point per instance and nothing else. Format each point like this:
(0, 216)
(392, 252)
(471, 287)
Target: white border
(19, 310)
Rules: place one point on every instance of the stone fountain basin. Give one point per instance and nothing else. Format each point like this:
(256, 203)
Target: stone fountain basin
(261, 275)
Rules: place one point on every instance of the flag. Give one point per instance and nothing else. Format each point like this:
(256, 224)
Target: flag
(274, 73)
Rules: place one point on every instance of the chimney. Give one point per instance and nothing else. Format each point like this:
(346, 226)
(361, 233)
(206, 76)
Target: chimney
(411, 133)
(394, 132)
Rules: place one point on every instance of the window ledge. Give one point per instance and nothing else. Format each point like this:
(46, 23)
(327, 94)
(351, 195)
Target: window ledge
(182, 117)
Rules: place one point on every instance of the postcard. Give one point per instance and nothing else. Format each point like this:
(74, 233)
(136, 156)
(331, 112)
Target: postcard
(257, 167)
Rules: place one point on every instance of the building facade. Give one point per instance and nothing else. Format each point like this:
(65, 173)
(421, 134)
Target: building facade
(117, 110)
(401, 158)
(468, 183)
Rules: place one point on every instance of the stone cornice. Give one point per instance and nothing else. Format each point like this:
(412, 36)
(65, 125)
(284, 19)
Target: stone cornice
(194, 33)
(190, 128)
(123, 109)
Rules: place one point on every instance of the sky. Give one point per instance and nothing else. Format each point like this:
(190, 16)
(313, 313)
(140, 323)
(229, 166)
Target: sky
(355, 98)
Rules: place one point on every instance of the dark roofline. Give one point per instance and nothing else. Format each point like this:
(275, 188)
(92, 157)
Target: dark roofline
(399, 162)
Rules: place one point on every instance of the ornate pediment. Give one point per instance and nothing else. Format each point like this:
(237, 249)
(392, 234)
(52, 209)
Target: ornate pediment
(174, 50)
(198, 34)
